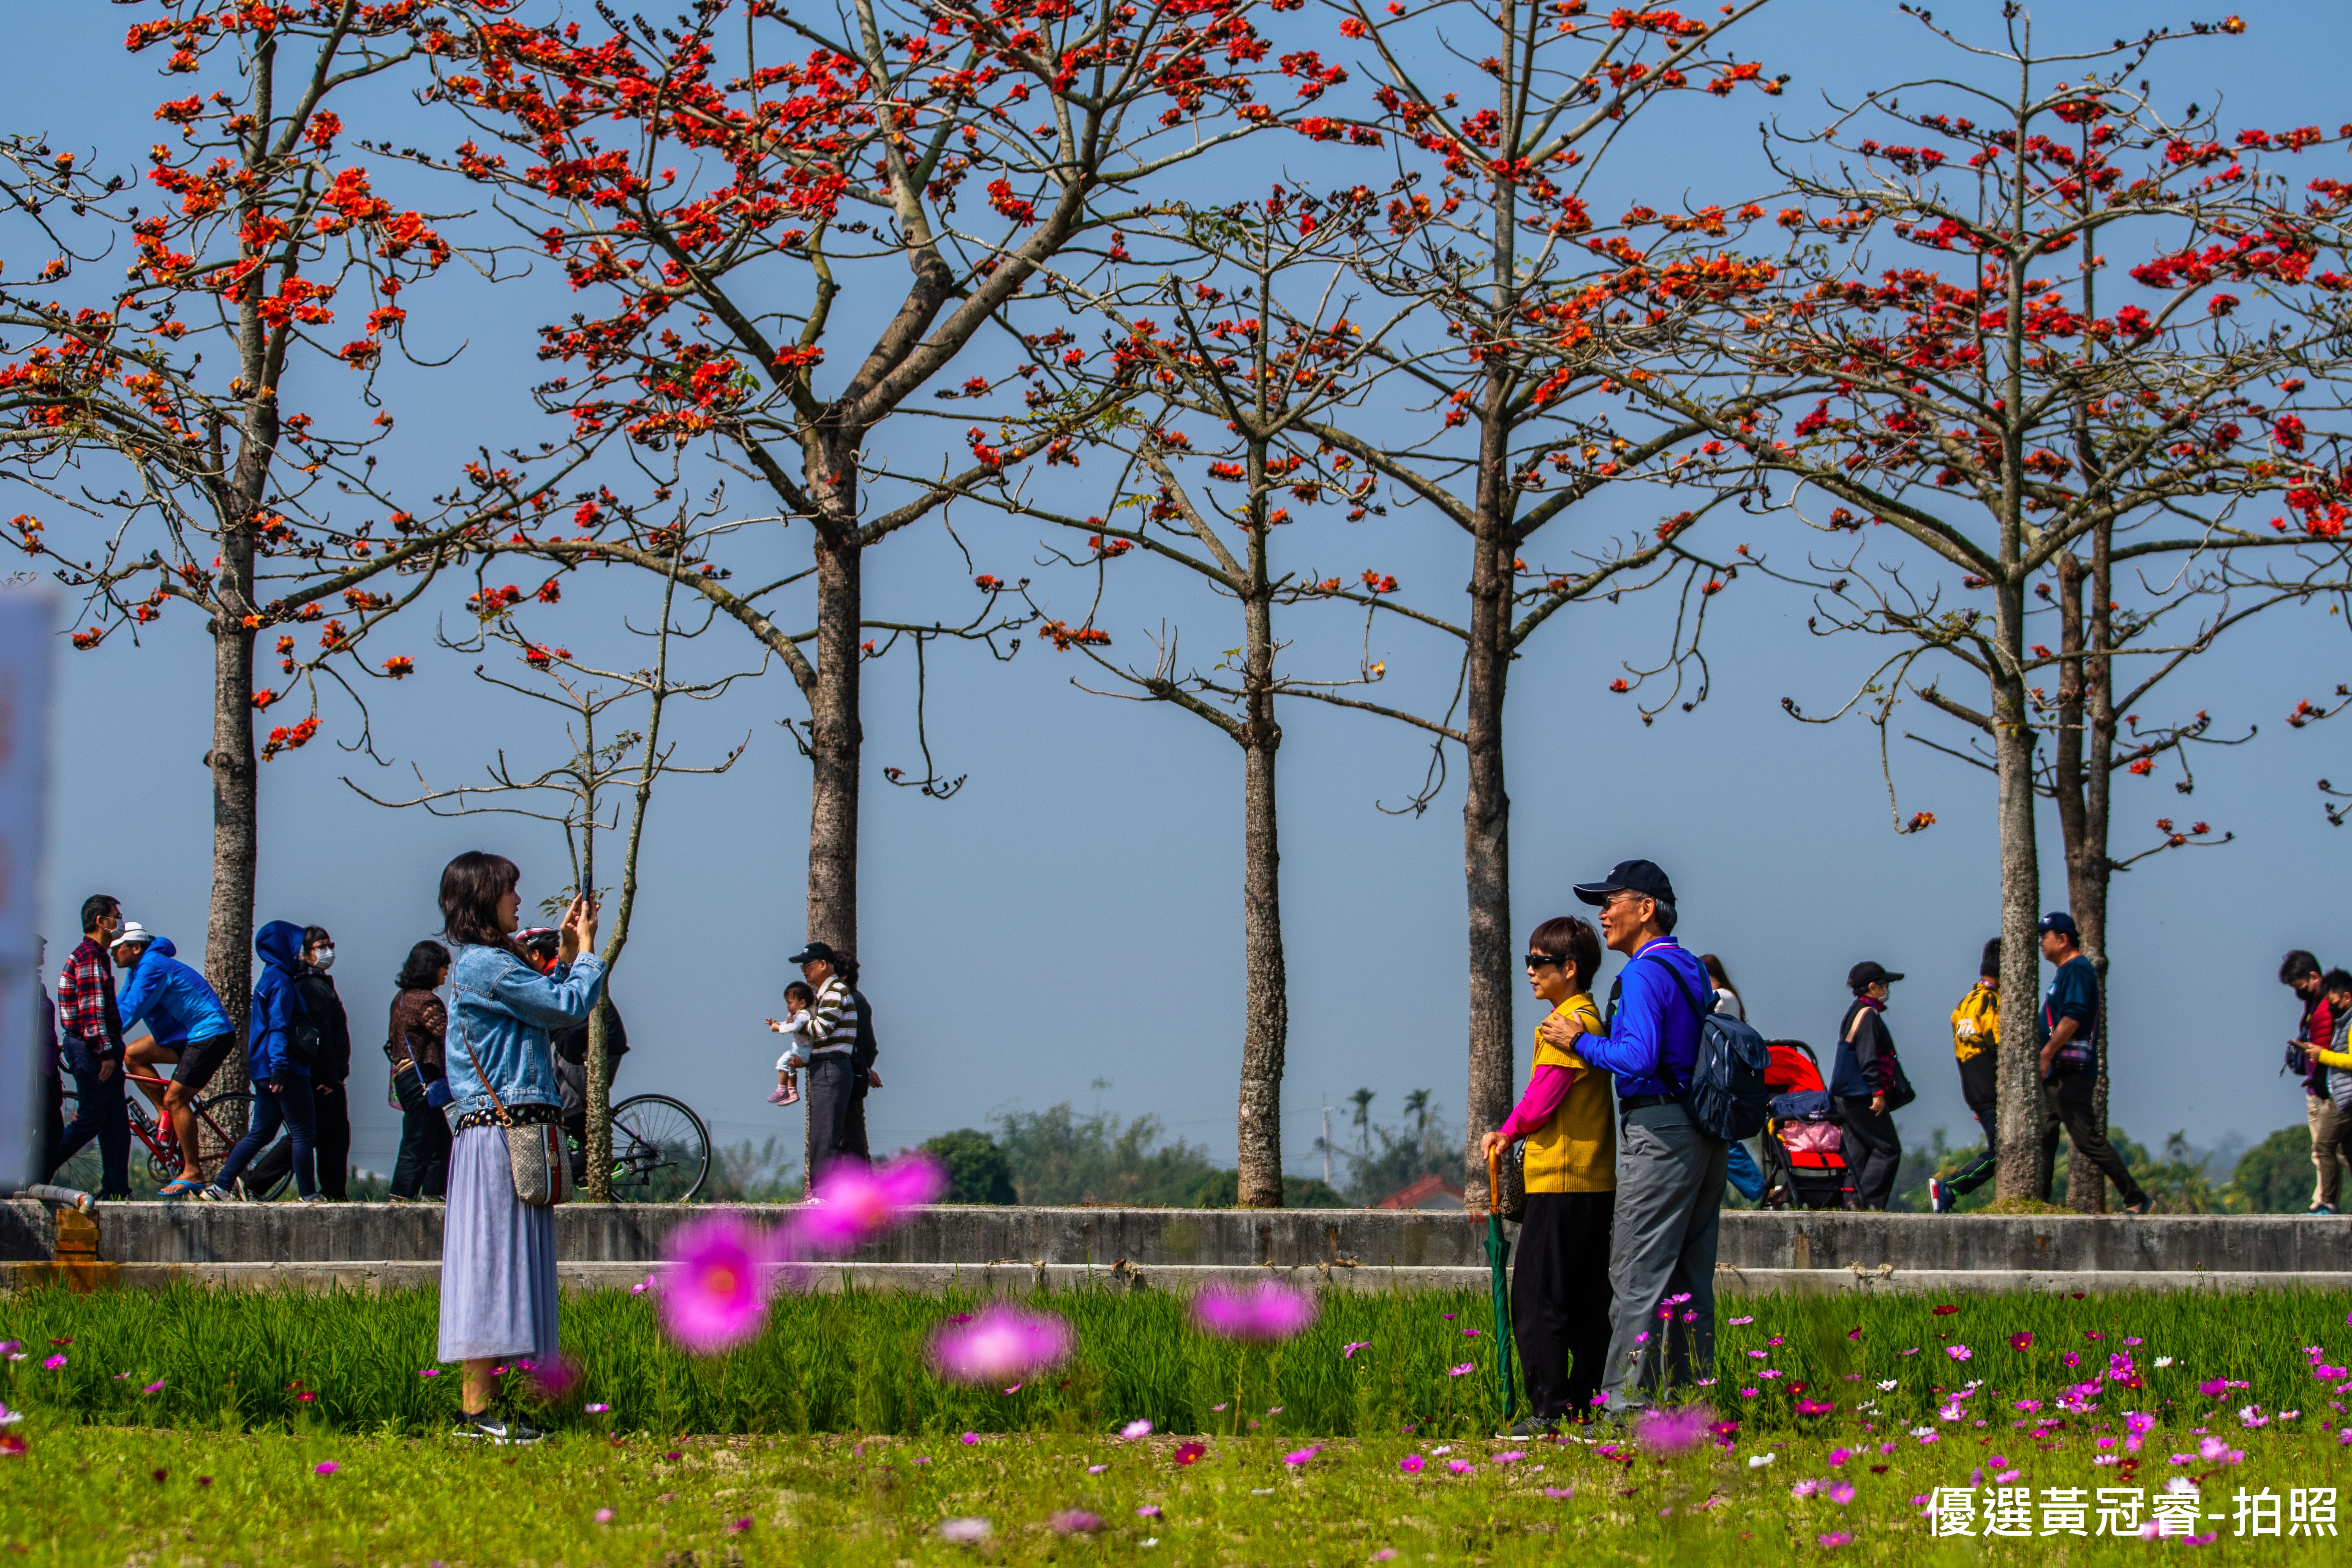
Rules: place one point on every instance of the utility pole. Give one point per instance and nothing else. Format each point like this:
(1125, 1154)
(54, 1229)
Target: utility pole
(1326, 1142)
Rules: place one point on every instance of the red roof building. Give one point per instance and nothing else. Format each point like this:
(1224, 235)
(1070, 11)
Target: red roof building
(1429, 1192)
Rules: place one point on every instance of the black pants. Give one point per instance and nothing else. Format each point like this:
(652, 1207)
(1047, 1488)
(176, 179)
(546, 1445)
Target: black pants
(2067, 1101)
(830, 1096)
(422, 1168)
(1977, 1172)
(100, 1113)
(331, 1145)
(1872, 1152)
(853, 1128)
(285, 1103)
(1559, 1300)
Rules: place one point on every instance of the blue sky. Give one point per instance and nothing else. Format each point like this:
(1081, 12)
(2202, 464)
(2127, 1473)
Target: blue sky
(1074, 912)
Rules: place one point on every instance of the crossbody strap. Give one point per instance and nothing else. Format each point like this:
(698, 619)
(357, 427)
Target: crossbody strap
(1684, 986)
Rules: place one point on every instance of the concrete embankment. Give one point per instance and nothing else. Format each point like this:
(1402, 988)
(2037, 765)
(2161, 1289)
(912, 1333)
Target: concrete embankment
(377, 1245)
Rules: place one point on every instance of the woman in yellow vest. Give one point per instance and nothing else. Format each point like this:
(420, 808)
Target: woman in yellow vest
(1559, 1286)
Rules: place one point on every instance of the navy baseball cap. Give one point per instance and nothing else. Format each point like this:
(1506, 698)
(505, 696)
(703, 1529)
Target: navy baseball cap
(816, 950)
(2061, 922)
(1641, 876)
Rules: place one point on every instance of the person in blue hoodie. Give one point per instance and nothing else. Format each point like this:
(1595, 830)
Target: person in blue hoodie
(192, 1036)
(280, 1065)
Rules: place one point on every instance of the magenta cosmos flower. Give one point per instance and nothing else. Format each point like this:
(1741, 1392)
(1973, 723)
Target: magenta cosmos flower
(1670, 1431)
(1268, 1311)
(714, 1297)
(1001, 1341)
(853, 1203)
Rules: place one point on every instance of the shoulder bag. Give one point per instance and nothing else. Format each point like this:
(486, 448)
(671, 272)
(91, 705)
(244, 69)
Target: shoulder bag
(535, 1150)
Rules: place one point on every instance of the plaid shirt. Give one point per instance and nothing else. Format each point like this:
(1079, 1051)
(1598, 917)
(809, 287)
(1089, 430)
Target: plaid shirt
(86, 1010)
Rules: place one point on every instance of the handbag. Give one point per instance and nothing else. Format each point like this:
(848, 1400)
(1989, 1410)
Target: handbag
(536, 1154)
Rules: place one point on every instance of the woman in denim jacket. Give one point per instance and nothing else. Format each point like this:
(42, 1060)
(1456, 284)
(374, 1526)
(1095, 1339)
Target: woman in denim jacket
(498, 1256)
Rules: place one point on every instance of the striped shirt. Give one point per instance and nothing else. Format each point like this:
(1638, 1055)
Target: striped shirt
(833, 1022)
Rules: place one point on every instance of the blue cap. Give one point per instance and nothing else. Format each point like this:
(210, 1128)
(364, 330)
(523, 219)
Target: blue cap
(2064, 923)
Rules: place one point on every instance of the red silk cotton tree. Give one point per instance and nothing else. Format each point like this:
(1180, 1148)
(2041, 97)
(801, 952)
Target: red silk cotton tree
(786, 245)
(1959, 376)
(1202, 480)
(1485, 410)
(187, 388)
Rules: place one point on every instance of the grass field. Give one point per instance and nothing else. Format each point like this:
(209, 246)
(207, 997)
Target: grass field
(96, 1496)
(190, 1358)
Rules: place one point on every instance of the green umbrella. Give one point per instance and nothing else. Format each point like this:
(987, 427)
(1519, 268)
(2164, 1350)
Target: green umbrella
(1499, 1254)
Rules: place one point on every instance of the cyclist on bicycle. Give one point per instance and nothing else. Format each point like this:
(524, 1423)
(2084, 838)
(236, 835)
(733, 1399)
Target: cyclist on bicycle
(192, 1036)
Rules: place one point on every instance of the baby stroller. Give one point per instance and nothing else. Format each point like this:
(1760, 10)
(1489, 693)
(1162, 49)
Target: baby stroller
(1804, 1159)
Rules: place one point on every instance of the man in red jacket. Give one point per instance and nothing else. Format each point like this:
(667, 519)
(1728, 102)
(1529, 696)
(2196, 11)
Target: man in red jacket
(2300, 972)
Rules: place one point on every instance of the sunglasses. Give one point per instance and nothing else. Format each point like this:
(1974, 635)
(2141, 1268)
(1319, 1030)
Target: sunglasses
(1537, 960)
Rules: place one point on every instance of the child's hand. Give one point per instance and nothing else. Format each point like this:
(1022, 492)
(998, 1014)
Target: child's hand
(773, 1025)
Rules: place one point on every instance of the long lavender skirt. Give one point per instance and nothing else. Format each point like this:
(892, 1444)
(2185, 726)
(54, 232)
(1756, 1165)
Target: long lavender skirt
(498, 1258)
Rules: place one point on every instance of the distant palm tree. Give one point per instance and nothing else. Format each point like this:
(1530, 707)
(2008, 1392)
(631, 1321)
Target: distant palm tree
(1362, 1100)
(1417, 1105)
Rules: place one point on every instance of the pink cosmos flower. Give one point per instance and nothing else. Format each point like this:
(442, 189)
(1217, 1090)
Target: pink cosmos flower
(1840, 1456)
(1348, 1352)
(325, 1468)
(603, 1516)
(1460, 1467)
(965, 1532)
(715, 1297)
(428, 1372)
(1075, 1521)
(554, 1380)
(1839, 1492)
(1411, 1464)
(2022, 1340)
(1959, 1352)
(742, 1526)
(1464, 1370)
(1670, 1431)
(155, 1387)
(1096, 1469)
(2213, 1388)
(55, 1362)
(1267, 1312)
(853, 1203)
(1559, 1493)
(1299, 1457)
(594, 1409)
(1002, 1341)
(1186, 1453)
(969, 1438)
(1835, 1539)
(1135, 1429)
(1147, 1511)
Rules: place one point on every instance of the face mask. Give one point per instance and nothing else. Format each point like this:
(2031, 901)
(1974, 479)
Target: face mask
(324, 961)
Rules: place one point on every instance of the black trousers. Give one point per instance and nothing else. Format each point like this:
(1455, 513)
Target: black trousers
(422, 1168)
(1872, 1137)
(1977, 1172)
(2067, 1101)
(100, 1113)
(330, 1143)
(1559, 1300)
(831, 1094)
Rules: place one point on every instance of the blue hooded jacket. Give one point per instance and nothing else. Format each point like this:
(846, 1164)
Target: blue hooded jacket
(172, 999)
(277, 1005)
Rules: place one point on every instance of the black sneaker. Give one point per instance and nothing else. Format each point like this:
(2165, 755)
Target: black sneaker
(1528, 1427)
(501, 1429)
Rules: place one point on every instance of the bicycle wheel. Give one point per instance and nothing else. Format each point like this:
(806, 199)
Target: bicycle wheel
(221, 1119)
(661, 1151)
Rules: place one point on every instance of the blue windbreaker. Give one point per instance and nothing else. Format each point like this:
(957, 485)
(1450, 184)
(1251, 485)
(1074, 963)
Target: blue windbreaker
(275, 1004)
(1651, 1040)
(172, 999)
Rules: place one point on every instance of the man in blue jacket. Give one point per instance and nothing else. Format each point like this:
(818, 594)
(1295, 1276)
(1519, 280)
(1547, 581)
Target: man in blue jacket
(192, 1036)
(1670, 1171)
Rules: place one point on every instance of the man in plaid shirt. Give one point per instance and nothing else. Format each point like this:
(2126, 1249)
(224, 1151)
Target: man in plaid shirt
(90, 1031)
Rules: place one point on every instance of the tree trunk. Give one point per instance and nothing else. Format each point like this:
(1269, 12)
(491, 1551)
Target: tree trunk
(1265, 1025)
(598, 1071)
(2089, 871)
(2018, 1172)
(237, 819)
(1487, 858)
(835, 735)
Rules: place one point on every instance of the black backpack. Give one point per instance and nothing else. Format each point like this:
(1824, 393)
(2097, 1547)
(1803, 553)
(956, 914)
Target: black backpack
(1726, 1095)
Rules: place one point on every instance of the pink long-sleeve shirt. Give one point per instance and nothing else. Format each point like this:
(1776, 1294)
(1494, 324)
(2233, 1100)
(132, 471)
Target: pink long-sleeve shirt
(1546, 1087)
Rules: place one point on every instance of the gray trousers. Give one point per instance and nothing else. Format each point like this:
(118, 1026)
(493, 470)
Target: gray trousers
(830, 1091)
(1670, 1177)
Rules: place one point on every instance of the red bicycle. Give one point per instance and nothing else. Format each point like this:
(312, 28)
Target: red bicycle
(219, 1115)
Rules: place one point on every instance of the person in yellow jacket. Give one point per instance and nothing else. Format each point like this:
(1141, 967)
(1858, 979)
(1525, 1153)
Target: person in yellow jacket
(1976, 1047)
(1560, 1285)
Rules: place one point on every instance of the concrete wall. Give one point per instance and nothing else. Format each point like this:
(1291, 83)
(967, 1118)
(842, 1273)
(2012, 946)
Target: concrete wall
(629, 1237)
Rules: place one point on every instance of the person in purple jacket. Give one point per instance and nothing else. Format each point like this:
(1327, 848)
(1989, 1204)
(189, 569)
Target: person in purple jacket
(1670, 1171)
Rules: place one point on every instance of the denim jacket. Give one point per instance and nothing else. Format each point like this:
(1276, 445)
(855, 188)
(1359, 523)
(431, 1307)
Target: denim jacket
(505, 1012)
